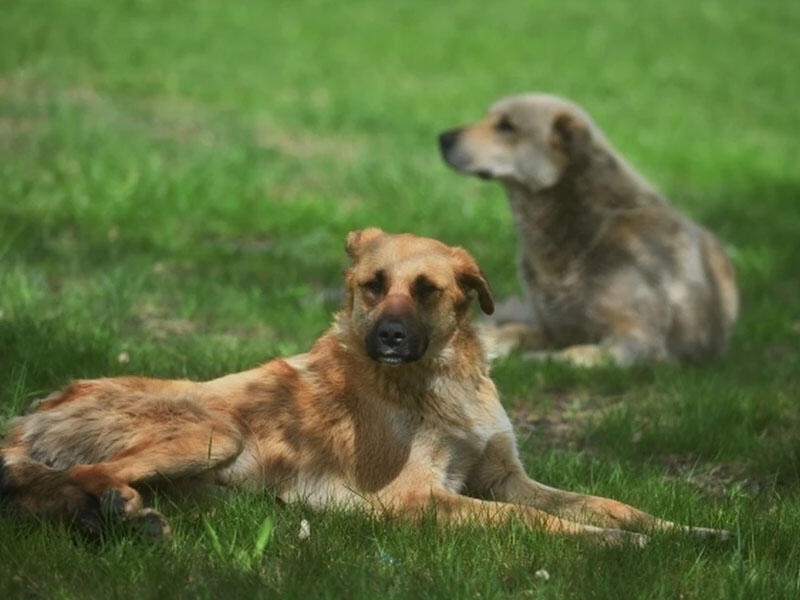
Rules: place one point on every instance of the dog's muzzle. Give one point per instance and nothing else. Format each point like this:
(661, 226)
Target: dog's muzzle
(396, 340)
(455, 157)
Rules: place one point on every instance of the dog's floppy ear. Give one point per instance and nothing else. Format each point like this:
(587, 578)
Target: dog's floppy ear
(570, 135)
(356, 240)
(470, 277)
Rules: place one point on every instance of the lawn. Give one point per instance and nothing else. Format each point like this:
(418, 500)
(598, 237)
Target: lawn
(176, 181)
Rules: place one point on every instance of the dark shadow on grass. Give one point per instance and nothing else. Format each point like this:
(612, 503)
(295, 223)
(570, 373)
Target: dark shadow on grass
(62, 245)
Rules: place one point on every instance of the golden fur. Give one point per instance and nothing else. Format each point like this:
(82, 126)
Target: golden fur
(610, 271)
(391, 411)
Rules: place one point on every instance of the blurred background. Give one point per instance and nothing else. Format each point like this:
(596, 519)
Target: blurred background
(179, 177)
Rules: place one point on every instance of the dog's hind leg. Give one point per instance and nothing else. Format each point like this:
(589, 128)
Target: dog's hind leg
(34, 488)
(89, 495)
(199, 449)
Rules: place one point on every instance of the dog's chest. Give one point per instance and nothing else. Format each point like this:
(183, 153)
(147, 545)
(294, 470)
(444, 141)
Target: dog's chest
(451, 440)
(439, 459)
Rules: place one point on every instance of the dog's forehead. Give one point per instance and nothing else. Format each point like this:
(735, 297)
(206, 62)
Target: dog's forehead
(407, 255)
(535, 107)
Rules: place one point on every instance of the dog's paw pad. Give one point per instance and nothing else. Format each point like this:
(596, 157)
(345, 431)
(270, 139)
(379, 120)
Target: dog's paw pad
(151, 524)
(88, 521)
(112, 505)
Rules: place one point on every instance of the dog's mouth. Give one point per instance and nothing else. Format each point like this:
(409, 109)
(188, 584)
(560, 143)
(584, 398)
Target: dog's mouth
(397, 357)
(460, 163)
(392, 359)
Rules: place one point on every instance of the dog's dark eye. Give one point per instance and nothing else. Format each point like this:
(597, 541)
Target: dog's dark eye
(505, 125)
(374, 286)
(424, 288)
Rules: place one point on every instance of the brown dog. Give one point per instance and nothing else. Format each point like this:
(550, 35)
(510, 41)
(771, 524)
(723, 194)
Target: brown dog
(609, 269)
(392, 410)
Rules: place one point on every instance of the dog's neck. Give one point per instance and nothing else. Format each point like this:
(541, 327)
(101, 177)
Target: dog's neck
(554, 226)
(558, 226)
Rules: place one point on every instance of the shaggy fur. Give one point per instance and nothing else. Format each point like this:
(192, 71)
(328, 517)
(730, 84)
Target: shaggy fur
(610, 270)
(391, 411)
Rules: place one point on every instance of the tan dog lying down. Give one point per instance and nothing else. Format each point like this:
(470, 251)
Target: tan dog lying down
(609, 269)
(391, 411)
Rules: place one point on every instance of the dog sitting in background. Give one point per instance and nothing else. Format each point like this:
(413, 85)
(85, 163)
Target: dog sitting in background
(610, 271)
(392, 411)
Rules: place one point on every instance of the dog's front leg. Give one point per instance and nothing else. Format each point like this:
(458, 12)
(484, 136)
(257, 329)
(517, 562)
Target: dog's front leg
(458, 509)
(604, 512)
(501, 476)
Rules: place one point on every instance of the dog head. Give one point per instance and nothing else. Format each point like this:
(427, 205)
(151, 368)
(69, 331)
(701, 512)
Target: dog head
(407, 295)
(527, 140)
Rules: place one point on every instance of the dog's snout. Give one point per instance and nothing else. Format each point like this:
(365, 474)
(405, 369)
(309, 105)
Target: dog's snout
(392, 333)
(396, 339)
(448, 139)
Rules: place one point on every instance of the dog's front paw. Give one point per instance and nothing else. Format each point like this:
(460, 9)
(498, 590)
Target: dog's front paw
(620, 537)
(538, 356)
(585, 355)
(706, 533)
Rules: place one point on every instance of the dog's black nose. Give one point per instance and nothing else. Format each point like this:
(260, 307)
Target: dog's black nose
(447, 140)
(392, 333)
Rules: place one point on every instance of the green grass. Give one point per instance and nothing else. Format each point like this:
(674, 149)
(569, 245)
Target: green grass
(176, 181)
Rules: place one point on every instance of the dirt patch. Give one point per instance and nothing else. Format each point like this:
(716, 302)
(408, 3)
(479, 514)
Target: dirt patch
(256, 245)
(14, 130)
(19, 122)
(305, 144)
(152, 319)
(560, 423)
(715, 479)
(556, 423)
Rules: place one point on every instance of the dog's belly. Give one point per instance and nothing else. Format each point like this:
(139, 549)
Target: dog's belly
(435, 460)
(288, 484)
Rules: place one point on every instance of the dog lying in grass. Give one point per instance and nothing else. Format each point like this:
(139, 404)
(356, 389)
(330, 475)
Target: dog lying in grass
(392, 411)
(609, 269)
